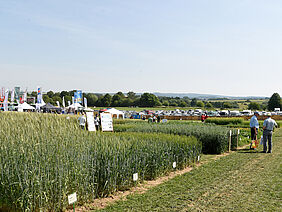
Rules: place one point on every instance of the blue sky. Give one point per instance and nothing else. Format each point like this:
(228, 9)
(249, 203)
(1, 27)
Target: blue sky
(213, 47)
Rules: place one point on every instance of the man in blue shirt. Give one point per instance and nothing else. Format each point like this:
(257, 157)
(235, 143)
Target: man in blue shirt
(254, 125)
(268, 126)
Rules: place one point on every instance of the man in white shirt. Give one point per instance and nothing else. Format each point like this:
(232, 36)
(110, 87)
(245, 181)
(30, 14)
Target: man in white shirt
(82, 121)
(268, 126)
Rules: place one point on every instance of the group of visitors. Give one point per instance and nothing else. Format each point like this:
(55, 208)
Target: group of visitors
(268, 127)
(82, 121)
(154, 119)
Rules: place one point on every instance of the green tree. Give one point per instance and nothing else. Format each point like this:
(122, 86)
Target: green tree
(118, 99)
(46, 98)
(254, 106)
(64, 93)
(182, 104)
(227, 105)
(67, 99)
(208, 105)
(106, 100)
(274, 102)
(200, 104)
(149, 100)
(34, 93)
(57, 98)
(173, 104)
(131, 95)
(91, 99)
(165, 103)
(50, 94)
(194, 102)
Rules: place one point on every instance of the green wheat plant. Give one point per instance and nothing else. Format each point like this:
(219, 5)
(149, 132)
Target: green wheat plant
(44, 158)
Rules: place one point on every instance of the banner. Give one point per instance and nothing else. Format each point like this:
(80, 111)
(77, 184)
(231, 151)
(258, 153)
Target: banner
(13, 96)
(17, 94)
(85, 102)
(39, 95)
(78, 96)
(2, 96)
(64, 105)
(6, 96)
(107, 122)
(6, 100)
(25, 96)
(90, 121)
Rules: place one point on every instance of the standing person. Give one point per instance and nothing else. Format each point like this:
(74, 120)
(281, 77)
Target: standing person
(82, 121)
(159, 119)
(96, 122)
(203, 117)
(268, 126)
(254, 125)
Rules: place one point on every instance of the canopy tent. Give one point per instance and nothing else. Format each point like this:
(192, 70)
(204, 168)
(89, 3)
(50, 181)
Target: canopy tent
(49, 108)
(25, 106)
(115, 112)
(75, 106)
(88, 109)
(39, 105)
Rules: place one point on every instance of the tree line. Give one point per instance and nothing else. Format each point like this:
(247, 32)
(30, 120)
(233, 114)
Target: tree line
(131, 99)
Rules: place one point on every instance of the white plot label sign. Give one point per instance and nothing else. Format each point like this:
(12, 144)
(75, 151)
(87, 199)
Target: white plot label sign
(107, 122)
(174, 165)
(72, 198)
(135, 177)
(90, 121)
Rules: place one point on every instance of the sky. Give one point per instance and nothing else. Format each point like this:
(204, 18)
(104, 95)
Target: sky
(183, 46)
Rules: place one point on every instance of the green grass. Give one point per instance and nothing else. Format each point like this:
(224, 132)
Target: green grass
(243, 181)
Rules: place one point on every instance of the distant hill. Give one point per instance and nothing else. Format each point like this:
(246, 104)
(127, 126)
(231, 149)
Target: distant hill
(206, 96)
(200, 96)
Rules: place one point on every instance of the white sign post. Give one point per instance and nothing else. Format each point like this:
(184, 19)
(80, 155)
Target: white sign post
(72, 199)
(174, 165)
(229, 149)
(107, 122)
(135, 177)
(90, 121)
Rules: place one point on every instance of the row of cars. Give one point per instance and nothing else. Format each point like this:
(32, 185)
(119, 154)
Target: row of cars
(196, 112)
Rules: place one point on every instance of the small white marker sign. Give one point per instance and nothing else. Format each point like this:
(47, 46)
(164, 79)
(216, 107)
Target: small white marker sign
(230, 132)
(72, 198)
(198, 157)
(135, 177)
(174, 165)
(238, 131)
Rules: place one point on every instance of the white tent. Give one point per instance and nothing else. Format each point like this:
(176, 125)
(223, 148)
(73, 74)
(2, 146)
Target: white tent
(25, 106)
(116, 112)
(76, 106)
(88, 109)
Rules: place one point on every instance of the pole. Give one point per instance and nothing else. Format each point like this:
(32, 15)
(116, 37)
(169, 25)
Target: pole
(238, 138)
(229, 149)
(73, 208)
